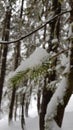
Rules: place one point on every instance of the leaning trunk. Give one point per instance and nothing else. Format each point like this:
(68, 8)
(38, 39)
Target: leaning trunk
(61, 108)
(67, 91)
(47, 94)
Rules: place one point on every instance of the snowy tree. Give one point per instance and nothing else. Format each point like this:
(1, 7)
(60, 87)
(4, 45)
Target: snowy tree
(62, 95)
(40, 69)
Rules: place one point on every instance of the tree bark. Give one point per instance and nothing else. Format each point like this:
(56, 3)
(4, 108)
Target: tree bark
(38, 100)
(12, 104)
(22, 114)
(16, 106)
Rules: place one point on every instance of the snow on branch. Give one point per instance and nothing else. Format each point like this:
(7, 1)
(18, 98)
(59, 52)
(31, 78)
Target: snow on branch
(35, 60)
(36, 64)
(39, 28)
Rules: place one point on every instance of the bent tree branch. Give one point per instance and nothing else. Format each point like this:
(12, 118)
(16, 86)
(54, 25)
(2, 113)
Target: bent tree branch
(39, 28)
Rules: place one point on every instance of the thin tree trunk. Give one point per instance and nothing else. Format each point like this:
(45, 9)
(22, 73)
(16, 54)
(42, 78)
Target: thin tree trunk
(22, 114)
(12, 104)
(1, 47)
(38, 100)
(16, 106)
(26, 108)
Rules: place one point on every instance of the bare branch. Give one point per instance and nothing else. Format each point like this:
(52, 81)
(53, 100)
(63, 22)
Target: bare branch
(59, 53)
(39, 28)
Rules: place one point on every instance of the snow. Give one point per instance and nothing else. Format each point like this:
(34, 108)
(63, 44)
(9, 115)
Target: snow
(69, 107)
(33, 107)
(56, 99)
(32, 122)
(35, 59)
(70, 34)
(68, 121)
(64, 60)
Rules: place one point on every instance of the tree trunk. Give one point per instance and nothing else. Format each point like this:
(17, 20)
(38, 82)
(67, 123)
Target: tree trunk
(16, 106)
(47, 94)
(61, 108)
(26, 108)
(12, 104)
(5, 37)
(16, 64)
(22, 115)
(38, 100)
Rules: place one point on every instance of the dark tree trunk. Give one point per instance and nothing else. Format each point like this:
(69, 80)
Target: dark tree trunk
(26, 108)
(38, 100)
(47, 94)
(16, 106)
(22, 114)
(1, 48)
(46, 97)
(12, 104)
(5, 37)
(16, 64)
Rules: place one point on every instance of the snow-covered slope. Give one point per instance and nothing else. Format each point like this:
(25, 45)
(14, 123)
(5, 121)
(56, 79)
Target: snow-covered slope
(32, 123)
(68, 121)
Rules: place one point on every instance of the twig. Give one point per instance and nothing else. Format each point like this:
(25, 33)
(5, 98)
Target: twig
(59, 53)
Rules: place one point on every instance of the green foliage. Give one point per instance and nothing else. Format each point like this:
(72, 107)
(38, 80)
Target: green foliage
(19, 77)
(30, 73)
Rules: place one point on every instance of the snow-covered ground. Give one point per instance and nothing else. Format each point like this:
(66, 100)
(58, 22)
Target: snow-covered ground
(32, 121)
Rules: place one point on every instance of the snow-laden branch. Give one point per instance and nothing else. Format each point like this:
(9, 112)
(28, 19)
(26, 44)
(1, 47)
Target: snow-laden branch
(33, 63)
(39, 28)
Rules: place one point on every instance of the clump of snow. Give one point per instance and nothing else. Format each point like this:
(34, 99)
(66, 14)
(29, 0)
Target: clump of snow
(64, 60)
(70, 34)
(55, 40)
(34, 60)
(46, 45)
